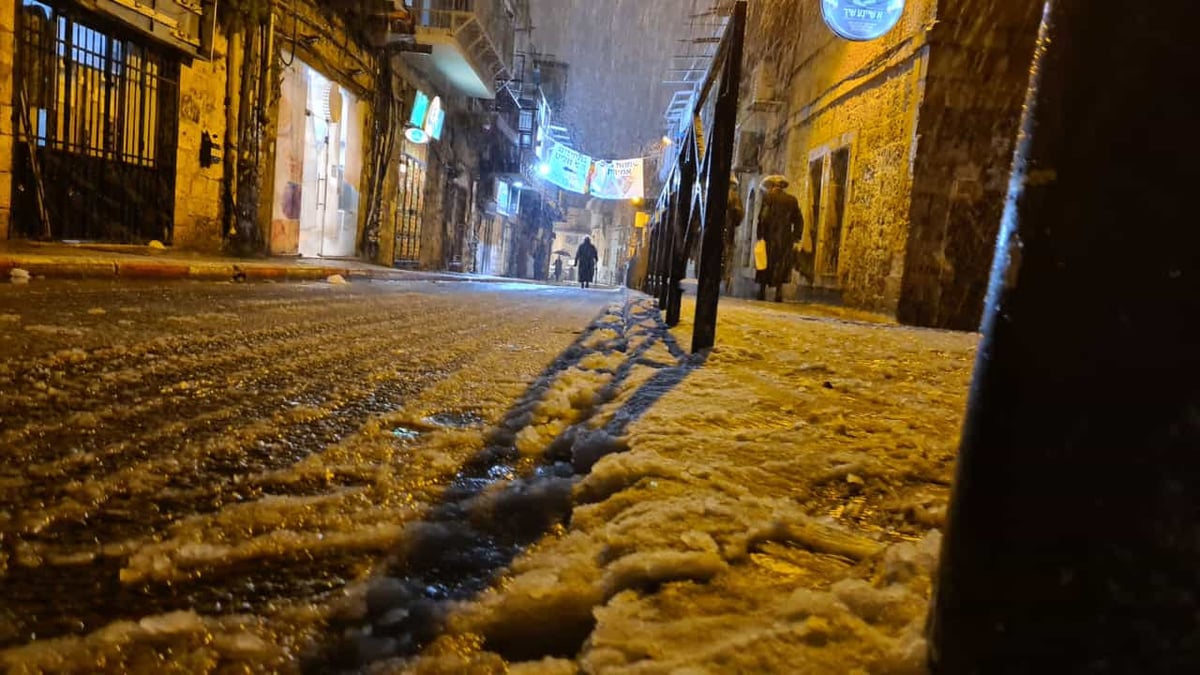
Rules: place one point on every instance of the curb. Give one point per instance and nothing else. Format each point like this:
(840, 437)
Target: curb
(61, 269)
(163, 270)
(49, 267)
(210, 272)
(144, 270)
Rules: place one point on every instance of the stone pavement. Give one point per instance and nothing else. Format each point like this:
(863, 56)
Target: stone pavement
(76, 261)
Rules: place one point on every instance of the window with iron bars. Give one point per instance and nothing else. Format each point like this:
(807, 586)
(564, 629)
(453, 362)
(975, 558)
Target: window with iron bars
(90, 93)
(99, 109)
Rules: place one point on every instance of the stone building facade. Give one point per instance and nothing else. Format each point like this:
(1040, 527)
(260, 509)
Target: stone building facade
(898, 149)
(265, 129)
(8, 17)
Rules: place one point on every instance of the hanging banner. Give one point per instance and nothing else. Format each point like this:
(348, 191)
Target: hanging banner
(567, 168)
(861, 20)
(619, 179)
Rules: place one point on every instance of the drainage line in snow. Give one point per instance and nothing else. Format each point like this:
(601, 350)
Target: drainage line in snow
(490, 512)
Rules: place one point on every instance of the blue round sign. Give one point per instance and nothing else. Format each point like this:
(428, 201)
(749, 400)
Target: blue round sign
(861, 20)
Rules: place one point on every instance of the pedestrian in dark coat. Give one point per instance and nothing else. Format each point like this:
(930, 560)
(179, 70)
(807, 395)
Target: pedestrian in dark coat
(780, 224)
(558, 269)
(585, 259)
(734, 213)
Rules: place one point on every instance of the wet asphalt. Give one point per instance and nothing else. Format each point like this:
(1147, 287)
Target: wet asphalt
(128, 410)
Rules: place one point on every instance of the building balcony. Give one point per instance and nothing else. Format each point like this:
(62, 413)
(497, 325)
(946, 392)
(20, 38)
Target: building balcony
(471, 41)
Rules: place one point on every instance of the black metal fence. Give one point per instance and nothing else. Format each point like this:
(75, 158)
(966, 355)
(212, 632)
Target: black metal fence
(97, 120)
(693, 205)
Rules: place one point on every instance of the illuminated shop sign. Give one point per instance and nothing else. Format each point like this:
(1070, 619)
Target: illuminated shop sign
(419, 110)
(508, 198)
(861, 20)
(426, 120)
(436, 119)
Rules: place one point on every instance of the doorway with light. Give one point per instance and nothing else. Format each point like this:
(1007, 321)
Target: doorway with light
(318, 166)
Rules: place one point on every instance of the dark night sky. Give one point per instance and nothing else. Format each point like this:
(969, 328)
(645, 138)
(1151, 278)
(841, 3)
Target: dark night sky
(619, 52)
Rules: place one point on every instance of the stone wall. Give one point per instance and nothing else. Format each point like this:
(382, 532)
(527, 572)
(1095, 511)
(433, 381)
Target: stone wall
(8, 17)
(198, 189)
(980, 56)
(834, 94)
(433, 240)
(385, 250)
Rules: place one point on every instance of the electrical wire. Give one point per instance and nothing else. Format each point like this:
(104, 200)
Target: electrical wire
(295, 30)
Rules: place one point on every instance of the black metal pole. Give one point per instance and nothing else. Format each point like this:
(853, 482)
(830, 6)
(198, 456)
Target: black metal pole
(1074, 536)
(651, 251)
(666, 250)
(680, 223)
(720, 164)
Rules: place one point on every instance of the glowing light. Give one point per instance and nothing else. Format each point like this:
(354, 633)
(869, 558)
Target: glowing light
(543, 169)
(519, 184)
(666, 140)
(416, 135)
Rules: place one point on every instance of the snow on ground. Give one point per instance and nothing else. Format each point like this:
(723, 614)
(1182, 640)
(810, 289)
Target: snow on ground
(777, 510)
(451, 503)
(190, 492)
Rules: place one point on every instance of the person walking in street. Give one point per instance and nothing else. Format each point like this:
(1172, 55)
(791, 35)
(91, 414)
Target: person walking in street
(780, 225)
(734, 213)
(585, 259)
(558, 267)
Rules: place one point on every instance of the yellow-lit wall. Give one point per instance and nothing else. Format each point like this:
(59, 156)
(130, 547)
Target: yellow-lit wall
(833, 94)
(198, 190)
(929, 112)
(8, 15)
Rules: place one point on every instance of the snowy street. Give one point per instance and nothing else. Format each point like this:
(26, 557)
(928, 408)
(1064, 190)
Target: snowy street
(453, 477)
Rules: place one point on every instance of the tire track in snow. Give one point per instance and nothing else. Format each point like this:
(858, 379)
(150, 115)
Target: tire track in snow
(503, 499)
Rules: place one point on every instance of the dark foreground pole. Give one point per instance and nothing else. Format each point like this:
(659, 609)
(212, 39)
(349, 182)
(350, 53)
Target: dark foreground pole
(720, 164)
(1074, 536)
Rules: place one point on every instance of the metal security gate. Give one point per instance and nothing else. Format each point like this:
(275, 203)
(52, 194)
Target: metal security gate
(410, 208)
(97, 125)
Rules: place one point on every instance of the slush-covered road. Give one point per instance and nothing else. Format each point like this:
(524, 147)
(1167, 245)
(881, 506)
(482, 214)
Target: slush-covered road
(184, 452)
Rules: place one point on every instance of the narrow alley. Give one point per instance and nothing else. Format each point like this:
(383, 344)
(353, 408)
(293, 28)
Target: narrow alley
(631, 337)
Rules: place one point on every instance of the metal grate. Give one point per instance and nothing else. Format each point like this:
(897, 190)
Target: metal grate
(409, 213)
(102, 120)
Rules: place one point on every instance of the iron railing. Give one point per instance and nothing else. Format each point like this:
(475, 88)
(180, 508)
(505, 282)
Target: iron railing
(482, 27)
(695, 197)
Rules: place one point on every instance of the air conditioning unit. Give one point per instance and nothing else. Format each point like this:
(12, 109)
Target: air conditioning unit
(764, 83)
(749, 152)
(762, 88)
